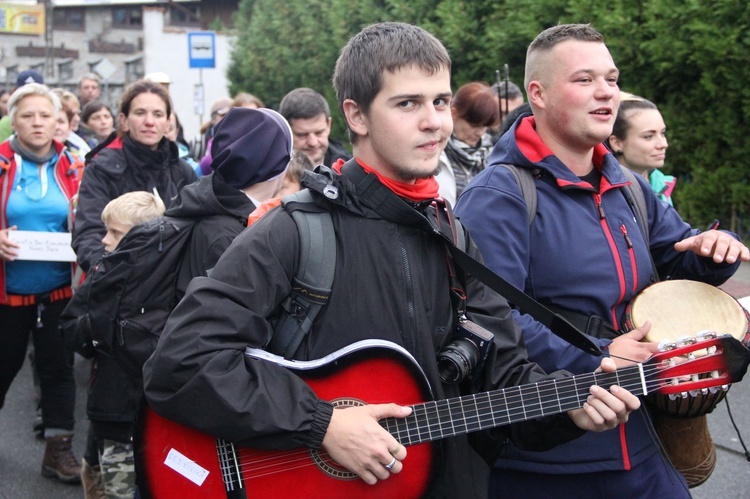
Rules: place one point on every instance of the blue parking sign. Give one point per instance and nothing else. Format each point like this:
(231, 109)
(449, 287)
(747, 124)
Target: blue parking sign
(202, 49)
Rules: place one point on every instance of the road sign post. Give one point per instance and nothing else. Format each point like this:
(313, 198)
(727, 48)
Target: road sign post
(202, 54)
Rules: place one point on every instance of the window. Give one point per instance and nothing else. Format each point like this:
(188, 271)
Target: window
(133, 69)
(127, 17)
(184, 15)
(69, 19)
(65, 69)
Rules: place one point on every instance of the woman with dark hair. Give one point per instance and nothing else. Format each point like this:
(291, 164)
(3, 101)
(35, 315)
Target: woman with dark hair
(639, 141)
(39, 179)
(474, 109)
(97, 123)
(138, 158)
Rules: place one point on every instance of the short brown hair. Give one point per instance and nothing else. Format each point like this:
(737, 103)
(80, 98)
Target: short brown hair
(550, 37)
(383, 47)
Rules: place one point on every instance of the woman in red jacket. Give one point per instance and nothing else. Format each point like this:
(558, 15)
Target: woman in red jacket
(38, 180)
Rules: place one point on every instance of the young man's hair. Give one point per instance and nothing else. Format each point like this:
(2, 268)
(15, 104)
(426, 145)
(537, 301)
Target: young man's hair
(303, 104)
(379, 48)
(133, 208)
(299, 163)
(549, 38)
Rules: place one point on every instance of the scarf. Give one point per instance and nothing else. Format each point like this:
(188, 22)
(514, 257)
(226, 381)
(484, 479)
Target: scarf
(421, 190)
(466, 161)
(17, 147)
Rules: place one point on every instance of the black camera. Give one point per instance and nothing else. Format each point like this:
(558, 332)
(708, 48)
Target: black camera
(465, 353)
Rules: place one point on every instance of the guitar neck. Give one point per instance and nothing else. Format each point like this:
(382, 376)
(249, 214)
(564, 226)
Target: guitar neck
(456, 416)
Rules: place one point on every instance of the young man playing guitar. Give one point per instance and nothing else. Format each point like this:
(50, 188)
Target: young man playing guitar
(394, 281)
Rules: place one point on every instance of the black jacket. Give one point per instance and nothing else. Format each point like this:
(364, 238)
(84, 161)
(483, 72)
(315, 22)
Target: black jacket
(335, 151)
(391, 283)
(123, 166)
(220, 213)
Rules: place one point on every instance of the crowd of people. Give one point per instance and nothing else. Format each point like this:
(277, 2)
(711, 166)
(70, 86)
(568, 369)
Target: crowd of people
(70, 164)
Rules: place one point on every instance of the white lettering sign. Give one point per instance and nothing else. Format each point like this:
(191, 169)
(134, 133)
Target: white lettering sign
(43, 246)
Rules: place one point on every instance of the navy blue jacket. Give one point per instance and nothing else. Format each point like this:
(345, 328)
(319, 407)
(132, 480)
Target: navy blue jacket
(584, 252)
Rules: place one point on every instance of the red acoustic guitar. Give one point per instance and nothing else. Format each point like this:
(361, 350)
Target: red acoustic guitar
(174, 461)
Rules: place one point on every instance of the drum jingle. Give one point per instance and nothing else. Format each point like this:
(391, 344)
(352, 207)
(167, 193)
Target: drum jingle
(683, 308)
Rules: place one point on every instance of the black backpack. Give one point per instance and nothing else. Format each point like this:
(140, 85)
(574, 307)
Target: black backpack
(130, 293)
(123, 305)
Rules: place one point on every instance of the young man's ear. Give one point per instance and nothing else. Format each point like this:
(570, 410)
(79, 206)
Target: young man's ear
(535, 94)
(355, 117)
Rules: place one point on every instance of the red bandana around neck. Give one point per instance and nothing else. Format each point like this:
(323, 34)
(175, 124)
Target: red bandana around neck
(421, 190)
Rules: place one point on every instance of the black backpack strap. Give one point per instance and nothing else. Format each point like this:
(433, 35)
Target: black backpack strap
(637, 201)
(525, 180)
(311, 286)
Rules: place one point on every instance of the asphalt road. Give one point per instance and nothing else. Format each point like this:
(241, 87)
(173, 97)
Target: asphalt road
(21, 453)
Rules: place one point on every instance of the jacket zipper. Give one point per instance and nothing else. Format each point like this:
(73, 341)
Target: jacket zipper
(409, 343)
(615, 256)
(631, 254)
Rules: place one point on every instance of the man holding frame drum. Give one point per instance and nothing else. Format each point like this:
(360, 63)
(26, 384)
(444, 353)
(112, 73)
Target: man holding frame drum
(584, 254)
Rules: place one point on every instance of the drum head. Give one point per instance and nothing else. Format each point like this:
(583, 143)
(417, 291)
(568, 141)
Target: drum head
(684, 308)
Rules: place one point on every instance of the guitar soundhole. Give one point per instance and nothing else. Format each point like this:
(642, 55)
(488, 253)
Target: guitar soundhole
(323, 461)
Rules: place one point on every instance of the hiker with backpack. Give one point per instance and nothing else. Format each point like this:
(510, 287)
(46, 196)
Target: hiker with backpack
(392, 280)
(251, 149)
(138, 157)
(39, 178)
(586, 251)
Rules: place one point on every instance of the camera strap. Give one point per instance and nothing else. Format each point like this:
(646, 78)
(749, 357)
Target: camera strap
(393, 208)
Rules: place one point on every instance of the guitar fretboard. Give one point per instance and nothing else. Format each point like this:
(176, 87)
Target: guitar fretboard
(455, 416)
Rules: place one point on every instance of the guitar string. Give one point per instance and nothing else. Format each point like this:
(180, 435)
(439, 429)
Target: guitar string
(436, 408)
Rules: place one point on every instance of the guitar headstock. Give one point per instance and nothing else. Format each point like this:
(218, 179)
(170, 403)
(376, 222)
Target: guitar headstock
(701, 363)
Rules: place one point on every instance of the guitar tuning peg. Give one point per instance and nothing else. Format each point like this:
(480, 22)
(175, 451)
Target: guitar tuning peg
(693, 393)
(672, 396)
(704, 391)
(684, 395)
(725, 387)
(706, 334)
(666, 345)
(686, 340)
(713, 389)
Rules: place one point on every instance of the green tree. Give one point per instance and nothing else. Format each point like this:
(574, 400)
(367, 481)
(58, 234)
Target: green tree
(692, 58)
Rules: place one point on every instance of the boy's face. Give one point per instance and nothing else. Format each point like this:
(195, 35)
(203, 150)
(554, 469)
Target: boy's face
(407, 125)
(115, 232)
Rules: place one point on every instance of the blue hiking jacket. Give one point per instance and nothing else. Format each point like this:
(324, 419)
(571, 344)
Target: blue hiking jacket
(584, 252)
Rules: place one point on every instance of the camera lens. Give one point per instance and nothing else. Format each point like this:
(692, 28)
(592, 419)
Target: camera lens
(457, 360)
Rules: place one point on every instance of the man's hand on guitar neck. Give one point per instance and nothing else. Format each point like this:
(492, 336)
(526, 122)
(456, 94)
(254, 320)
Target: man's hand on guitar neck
(604, 410)
(359, 443)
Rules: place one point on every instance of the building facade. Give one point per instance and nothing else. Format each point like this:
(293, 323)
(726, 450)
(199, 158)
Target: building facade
(121, 40)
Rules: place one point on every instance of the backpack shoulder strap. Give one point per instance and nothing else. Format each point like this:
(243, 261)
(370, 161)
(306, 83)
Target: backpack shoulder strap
(635, 193)
(312, 283)
(525, 180)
